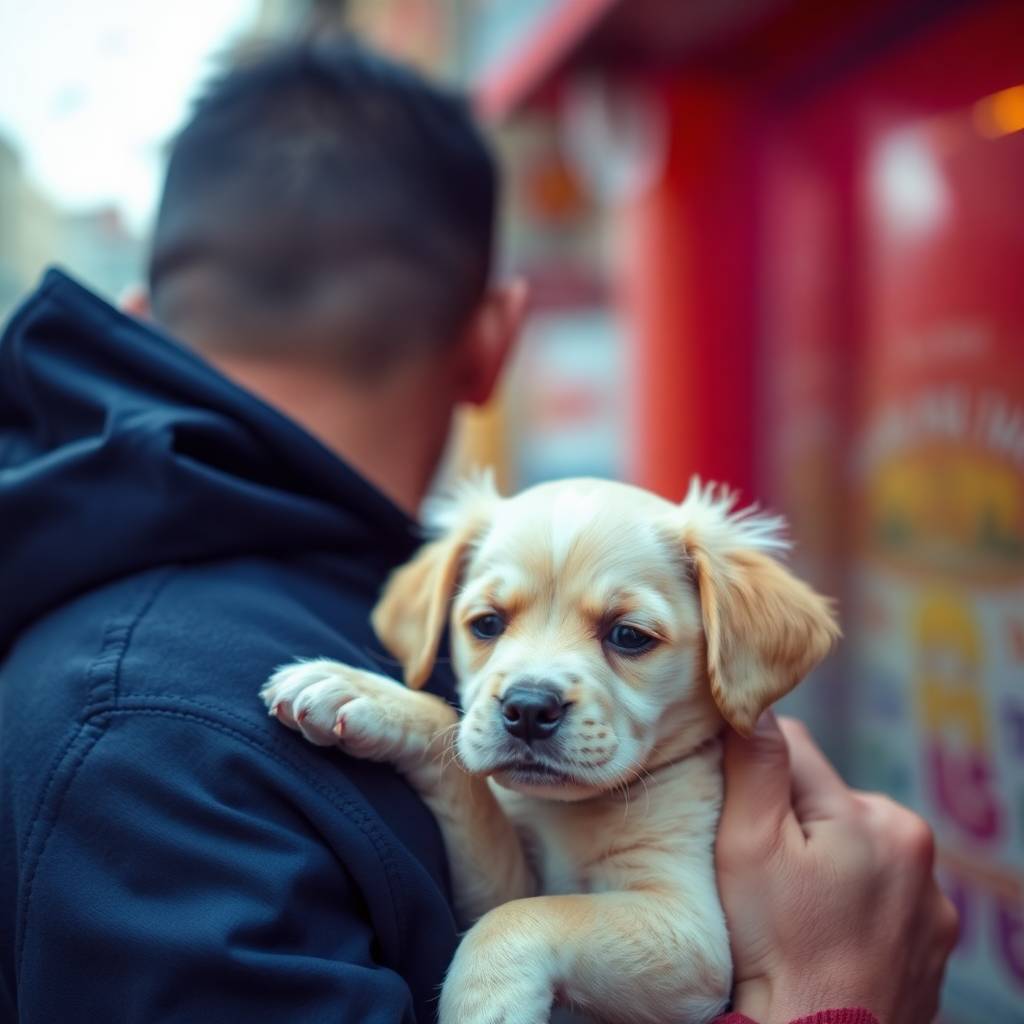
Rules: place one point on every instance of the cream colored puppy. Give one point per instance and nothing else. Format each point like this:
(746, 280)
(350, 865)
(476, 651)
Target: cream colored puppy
(601, 637)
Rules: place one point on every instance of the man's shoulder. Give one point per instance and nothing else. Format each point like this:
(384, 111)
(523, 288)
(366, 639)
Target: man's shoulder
(206, 634)
(219, 630)
(135, 746)
(168, 665)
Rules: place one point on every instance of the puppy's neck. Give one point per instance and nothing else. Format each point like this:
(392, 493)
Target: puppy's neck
(660, 765)
(685, 730)
(665, 764)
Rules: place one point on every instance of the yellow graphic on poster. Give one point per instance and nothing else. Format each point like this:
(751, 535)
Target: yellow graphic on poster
(950, 510)
(949, 653)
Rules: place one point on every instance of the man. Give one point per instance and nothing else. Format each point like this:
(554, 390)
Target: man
(168, 853)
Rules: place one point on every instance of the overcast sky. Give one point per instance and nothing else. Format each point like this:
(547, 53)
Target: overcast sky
(91, 89)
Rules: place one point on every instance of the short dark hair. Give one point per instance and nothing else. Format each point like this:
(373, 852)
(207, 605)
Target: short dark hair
(321, 191)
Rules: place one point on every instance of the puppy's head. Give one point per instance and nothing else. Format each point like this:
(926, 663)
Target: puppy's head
(598, 631)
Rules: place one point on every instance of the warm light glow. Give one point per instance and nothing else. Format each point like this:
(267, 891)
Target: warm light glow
(1001, 113)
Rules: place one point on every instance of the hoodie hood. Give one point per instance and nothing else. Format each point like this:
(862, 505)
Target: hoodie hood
(121, 450)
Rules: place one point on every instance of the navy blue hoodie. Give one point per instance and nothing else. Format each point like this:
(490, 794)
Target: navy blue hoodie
(167, 851)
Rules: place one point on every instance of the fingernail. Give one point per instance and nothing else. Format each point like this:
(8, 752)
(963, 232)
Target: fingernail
(767, 724)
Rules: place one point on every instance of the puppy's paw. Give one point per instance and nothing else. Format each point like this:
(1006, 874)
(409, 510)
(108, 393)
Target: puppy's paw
(488, 1003)
(489, 989)
(368, 715)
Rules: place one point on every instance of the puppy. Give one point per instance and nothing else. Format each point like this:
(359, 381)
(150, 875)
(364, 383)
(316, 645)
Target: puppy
(601, 637)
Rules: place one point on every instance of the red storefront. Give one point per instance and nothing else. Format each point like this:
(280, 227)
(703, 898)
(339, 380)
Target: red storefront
(810, 284)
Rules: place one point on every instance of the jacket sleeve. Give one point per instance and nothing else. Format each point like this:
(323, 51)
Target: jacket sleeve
(173, 879)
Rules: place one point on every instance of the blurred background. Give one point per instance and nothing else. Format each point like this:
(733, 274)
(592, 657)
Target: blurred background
(776, 242)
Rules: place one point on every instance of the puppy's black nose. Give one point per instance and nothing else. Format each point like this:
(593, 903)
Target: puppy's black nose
(531, 712)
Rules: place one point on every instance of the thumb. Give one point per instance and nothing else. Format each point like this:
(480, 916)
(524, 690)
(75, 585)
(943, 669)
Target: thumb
(757, 780)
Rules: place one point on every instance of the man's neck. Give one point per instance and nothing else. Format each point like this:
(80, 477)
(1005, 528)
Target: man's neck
(386, 432)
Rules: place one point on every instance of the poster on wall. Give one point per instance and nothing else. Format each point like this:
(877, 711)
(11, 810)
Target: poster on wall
(937, 624)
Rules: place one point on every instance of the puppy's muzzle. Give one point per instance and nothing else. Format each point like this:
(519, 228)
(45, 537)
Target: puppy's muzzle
(532, 712)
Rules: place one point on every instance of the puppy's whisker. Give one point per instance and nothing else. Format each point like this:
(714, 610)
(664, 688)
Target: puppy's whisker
(622, 788)
(448, 757)
(447, 753)
(439, 746)
(453, 757)
(641, 775)
(444, 736)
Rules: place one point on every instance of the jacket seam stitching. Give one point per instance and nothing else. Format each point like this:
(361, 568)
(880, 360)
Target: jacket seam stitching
(114, 632)
(45, 838)
(97, 723)
(329, 793)
(126, 633)
(105, 667)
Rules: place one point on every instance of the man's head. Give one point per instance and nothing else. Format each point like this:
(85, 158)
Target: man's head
(328, 210)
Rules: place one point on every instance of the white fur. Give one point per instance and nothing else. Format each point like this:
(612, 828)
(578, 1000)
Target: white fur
(474, 496)
(710, 509)
(570, 513)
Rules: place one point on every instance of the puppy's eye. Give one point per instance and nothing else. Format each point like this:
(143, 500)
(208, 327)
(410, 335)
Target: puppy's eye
(629, 639)
(487, 627)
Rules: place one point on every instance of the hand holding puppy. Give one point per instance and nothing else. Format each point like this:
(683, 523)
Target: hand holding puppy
(829, 892)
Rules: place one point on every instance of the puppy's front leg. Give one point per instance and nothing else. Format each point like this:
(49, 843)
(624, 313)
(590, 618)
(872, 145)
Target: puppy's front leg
(372, 717)
(636, 957)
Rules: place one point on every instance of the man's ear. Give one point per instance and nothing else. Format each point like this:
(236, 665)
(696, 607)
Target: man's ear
(490, 339)
(412, 611)
(764, 629)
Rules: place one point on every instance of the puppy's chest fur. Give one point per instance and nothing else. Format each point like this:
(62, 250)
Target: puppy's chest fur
(657, 836)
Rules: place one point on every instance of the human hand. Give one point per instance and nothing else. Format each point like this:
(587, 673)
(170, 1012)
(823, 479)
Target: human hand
(829, 893)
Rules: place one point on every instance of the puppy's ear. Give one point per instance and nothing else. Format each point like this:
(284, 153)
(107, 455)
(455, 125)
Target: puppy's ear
(764, 629)
(410, 616)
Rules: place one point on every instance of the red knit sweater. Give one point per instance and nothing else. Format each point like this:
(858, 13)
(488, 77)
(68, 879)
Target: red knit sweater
(848, 1016)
